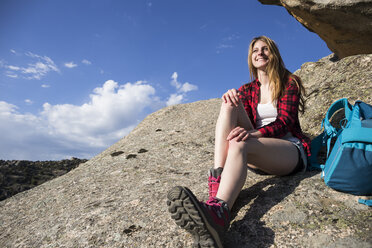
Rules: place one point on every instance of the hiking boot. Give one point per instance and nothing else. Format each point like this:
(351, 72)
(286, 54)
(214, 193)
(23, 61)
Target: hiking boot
(214, 179)
(207, 222)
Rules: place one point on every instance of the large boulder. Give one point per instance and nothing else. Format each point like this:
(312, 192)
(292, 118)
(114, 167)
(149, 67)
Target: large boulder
(345, 25)
(328, 80)
(118, 198)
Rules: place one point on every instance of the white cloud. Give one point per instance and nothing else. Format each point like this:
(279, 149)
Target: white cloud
(65, 130)
(70, 64)
(14, 68)
(19, 133)
(11, 75)
(232, 37)
(174, 81)
(221, 47)
(40, 68)
(36, 69)
(28, 101)
(186, 87)
(7, 108)
(86, 62)
(224, 46)
(111, 107)
(45, 85)
(174, 99)
(182, 89)
(226, 42)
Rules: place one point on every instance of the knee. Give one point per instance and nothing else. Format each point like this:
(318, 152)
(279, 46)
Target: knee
(248, 147)
(238, 146)
(227, 107)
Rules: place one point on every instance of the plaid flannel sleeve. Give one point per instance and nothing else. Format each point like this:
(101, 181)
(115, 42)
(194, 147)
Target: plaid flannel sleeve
(244, 96)
(287, 114)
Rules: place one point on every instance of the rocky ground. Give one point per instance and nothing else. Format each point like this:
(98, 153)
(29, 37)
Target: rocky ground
(118, 198)
(20, 175)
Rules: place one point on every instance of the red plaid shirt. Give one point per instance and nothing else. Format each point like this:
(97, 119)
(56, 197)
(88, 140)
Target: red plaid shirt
(287, 106)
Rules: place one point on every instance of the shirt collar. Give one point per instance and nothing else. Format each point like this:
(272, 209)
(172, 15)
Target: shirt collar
(257, 82)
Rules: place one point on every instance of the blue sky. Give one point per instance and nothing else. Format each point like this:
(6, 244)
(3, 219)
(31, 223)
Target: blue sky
(77, 75)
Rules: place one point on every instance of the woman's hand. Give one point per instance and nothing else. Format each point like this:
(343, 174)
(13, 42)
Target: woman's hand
(232, 97)
(242, 135)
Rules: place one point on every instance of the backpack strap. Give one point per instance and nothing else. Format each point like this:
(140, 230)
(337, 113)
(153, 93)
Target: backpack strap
(365, 202)
(339, 104)
(329, 130)
(316, 145)
(365, 110)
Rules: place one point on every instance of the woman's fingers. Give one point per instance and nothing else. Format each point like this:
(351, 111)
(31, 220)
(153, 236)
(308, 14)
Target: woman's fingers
(245, 137)
(234, 96)
(241, 135)
(231, 96)
(237, 132)
(224, 98)
(232, 133)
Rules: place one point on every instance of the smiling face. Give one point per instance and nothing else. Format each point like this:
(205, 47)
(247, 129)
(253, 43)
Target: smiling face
(264, 55)
(260, 55)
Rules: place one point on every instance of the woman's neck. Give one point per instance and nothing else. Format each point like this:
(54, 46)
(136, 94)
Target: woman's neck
(265, 89)
(263, 77)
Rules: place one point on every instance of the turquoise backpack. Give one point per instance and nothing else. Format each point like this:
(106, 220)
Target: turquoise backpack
(348, 167)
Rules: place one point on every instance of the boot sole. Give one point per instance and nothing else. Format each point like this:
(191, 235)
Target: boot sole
(186, 211)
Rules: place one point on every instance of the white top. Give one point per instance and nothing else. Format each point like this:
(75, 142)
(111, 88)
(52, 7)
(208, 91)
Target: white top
(266, 113)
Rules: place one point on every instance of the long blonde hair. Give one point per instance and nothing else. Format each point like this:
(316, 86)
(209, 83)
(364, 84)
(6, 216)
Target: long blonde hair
(278, 74)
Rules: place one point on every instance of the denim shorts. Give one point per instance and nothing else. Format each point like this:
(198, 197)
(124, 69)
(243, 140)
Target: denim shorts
(301, 152)
(302, 158)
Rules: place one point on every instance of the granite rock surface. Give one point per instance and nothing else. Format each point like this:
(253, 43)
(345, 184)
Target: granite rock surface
(345, 25)
(118, 198)
(330, 79)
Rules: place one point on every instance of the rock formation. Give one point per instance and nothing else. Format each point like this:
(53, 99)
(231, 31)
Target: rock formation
(19, 175)
(328, 80)
(117, 199)
(345, 25)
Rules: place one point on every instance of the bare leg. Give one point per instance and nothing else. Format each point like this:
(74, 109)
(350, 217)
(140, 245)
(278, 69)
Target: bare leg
(229, 118)
(234, 173)
(275, 156)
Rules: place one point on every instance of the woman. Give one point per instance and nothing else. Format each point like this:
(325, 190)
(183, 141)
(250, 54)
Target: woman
(257, 129)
